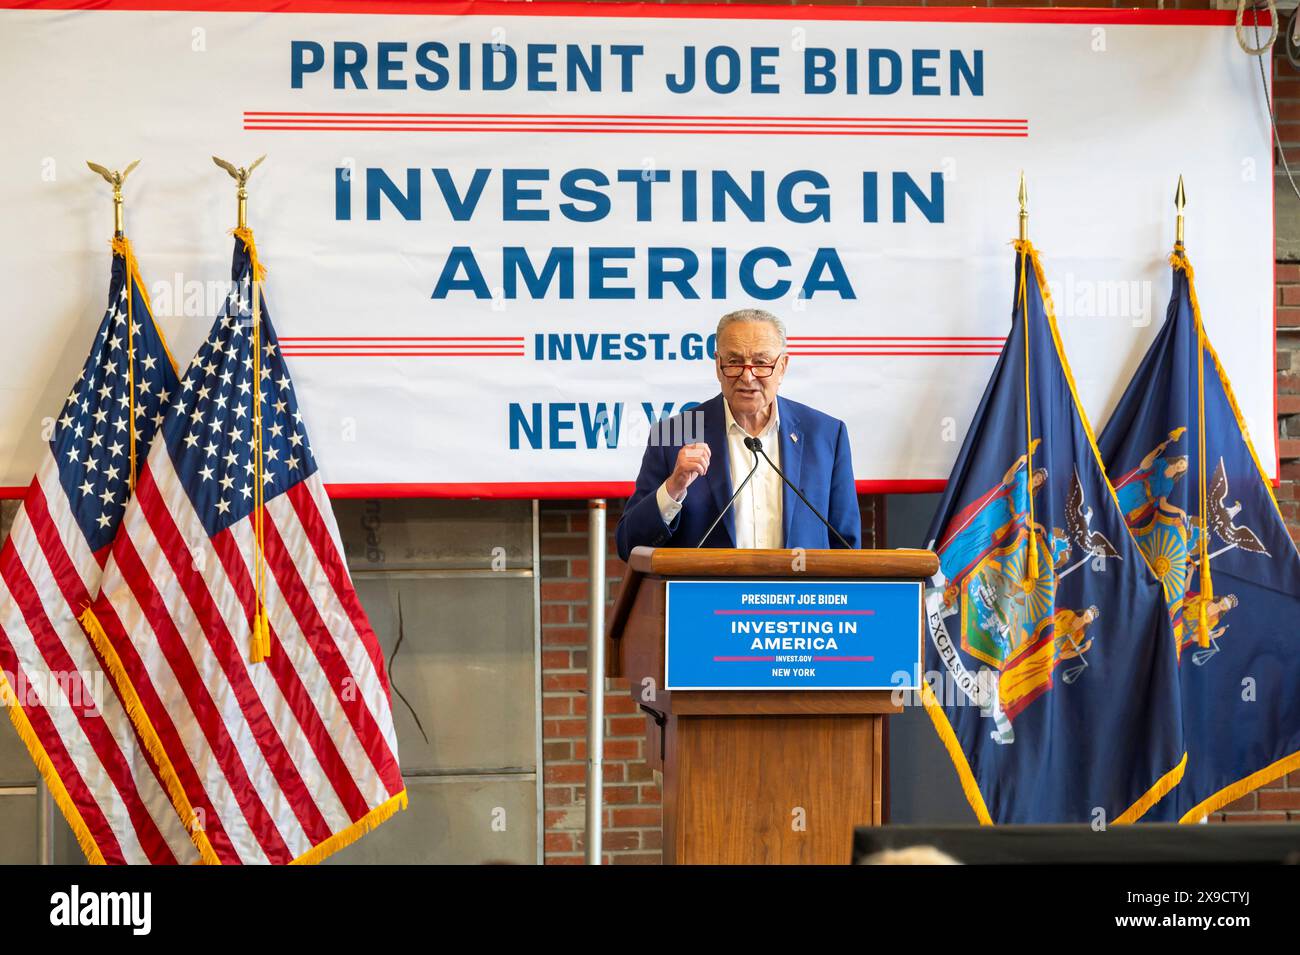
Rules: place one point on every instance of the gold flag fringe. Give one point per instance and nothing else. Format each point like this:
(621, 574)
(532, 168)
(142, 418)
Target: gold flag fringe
(122, 246)
(969, 786)
(341, 840)
(148, 735)
(1153, 795)
(1241, 787)
(48, 773)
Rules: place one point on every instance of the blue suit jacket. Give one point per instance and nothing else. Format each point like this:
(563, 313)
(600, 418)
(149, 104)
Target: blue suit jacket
(814, 456)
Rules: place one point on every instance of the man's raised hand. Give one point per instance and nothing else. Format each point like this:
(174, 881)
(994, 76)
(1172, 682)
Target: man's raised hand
(692, 462)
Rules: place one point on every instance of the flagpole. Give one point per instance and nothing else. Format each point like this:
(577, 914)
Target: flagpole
(260, 642)
(115, 179)
(1031, 553)
(1180, 202)
(1024, 209)
(44, 823)
(1204, 557)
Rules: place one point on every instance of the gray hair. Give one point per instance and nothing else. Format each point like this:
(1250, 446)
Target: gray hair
(753, 315)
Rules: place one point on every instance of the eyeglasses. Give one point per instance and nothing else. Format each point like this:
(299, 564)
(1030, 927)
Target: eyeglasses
(760, 371)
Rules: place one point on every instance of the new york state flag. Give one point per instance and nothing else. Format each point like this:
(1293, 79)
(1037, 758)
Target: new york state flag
(1057, 691)
(1201, 508)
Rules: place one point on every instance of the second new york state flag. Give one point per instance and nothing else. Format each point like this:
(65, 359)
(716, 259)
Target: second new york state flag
(1057, 698)
(1201, 508)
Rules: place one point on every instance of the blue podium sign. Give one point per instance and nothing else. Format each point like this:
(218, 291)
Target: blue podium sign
(792, 635)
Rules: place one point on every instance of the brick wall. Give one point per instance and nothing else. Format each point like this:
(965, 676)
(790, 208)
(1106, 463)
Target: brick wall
(632, 806)
(631, 825)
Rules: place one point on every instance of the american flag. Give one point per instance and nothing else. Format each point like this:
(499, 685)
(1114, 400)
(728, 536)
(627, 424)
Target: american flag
(65, 709)
(284, 760)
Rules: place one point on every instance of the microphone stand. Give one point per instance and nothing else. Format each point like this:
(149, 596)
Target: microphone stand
(755, 447)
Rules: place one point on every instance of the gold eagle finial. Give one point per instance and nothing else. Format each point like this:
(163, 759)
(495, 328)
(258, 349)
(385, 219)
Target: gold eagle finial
(240, 174)
(115, 179)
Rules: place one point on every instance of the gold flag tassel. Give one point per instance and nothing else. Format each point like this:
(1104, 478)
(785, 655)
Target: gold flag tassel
(1024, 249)
(1031, 562)
(260, 647)
(261, 637)
(1207, 582)
(129, 255)
(1179, 261)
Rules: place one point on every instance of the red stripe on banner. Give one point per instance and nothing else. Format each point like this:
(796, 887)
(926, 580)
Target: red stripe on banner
(291, 688)
(221, 642)
(355, 348)
(570, 490)
(453, 349)
(294, 353)
(332, 662)
(630, 130)
(508, 339)
(686, 11)
(42, 635)
(96, 729)
(336, 571)
(846, 129)
(802, 120)
(125, 555)
(677, 124)
(972, 340)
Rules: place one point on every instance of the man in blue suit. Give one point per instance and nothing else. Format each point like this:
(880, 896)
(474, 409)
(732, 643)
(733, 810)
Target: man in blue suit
(696, 461)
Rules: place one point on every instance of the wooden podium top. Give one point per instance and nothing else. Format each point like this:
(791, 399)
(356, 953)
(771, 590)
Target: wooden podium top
(781, 562)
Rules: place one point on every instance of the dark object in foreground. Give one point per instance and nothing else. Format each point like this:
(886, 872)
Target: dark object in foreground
(1155, 843)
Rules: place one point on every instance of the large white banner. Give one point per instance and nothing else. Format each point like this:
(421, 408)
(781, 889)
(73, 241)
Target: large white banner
(499, 235)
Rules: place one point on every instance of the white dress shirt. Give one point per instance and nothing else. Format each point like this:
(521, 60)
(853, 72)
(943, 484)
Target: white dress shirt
(758, 508)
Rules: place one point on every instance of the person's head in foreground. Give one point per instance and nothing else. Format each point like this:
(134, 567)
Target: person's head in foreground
(912, 855)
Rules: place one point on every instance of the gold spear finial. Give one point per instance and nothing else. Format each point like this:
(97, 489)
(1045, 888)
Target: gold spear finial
(1180, 202)
(240, 174)
(1024, 209)
(114, 179)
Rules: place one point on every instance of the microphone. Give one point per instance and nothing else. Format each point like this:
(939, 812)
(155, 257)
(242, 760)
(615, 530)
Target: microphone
(755, 446)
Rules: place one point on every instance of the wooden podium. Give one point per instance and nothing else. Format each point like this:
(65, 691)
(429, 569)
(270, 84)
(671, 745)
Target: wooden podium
(755, 776)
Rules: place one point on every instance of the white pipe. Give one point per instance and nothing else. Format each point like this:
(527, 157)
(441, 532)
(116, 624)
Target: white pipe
(44, 824)
(595, 676)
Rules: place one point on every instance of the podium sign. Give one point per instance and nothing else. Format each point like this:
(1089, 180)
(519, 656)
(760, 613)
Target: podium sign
(792, 634)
